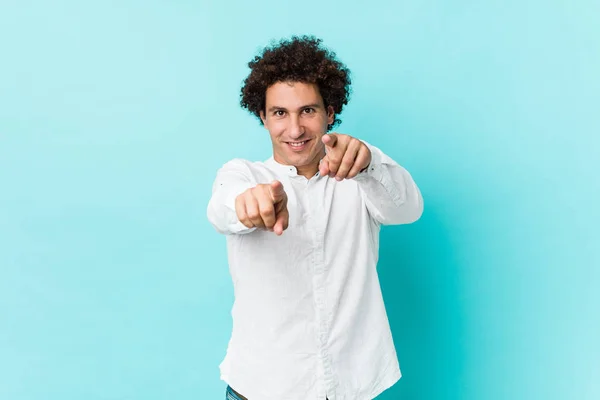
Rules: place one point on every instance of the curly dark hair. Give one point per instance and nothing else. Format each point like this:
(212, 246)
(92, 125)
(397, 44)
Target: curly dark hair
(298, 59)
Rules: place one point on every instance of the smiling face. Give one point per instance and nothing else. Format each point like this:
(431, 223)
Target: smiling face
(296, 119)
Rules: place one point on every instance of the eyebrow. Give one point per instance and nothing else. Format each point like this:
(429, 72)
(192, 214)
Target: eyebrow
(276, 108)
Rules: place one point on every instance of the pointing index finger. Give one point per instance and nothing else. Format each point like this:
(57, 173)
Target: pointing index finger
(329, 139)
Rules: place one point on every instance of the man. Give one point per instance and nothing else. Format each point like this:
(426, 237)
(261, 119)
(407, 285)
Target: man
(302, 232)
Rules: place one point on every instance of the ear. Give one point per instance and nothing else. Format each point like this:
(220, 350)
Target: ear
(330, 115)
(263, 117)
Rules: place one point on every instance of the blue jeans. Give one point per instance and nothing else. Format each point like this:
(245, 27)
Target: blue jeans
(230, 395)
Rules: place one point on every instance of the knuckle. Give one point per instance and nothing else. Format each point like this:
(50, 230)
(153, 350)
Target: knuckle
(266, 210)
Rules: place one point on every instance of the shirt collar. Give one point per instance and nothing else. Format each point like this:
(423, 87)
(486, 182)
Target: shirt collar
(289, 170)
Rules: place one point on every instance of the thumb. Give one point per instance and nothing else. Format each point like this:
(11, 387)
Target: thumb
(281, 224)
(329, 139)
(276, 190)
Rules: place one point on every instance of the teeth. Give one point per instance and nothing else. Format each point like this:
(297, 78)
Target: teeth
(297, 144)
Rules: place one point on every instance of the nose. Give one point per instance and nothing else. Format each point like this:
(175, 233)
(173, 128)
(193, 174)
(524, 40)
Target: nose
(296, 130)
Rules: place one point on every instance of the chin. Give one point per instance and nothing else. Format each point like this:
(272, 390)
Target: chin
(297, 161)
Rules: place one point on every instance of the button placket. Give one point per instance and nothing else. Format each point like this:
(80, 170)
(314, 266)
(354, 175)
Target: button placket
(318, 259)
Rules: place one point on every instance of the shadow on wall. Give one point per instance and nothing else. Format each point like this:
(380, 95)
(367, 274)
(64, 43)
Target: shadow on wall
(421, 287)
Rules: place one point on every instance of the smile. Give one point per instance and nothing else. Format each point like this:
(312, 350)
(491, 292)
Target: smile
(297, 146)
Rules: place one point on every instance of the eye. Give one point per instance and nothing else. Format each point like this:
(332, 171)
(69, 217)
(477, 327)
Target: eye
(279, 113)
(309, 110)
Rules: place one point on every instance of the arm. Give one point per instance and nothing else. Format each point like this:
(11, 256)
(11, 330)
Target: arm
(390, 193)
(232, 179)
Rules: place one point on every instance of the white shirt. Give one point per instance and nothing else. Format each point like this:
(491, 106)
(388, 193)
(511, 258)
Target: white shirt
(309, 320)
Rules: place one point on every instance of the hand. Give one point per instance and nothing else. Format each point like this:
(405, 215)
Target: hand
(346, 156)
(264, 206)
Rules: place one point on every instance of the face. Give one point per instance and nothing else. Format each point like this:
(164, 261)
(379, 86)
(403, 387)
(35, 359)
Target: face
(296, 119)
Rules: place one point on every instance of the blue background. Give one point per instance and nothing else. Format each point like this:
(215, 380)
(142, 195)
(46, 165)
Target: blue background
(114, 117)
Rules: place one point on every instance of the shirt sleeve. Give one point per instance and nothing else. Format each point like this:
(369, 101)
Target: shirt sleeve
(232, 179)
(390, 193)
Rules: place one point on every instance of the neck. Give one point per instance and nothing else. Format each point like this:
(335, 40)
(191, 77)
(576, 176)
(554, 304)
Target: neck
(308, 171)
